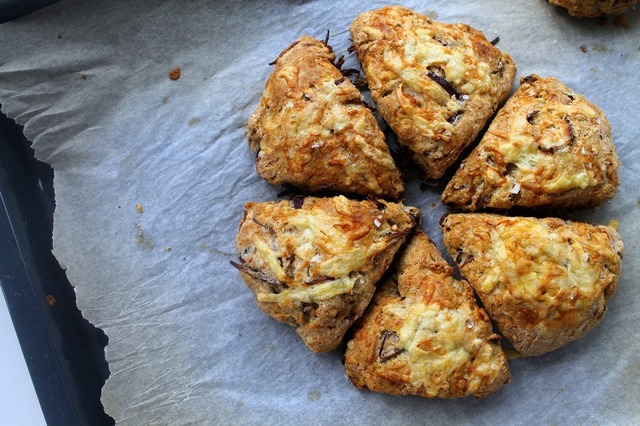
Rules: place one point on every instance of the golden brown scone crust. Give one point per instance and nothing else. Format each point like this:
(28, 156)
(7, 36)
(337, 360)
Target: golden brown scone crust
(313, 131)
(435, 84)
(315, 262)
(548, 146)
(593, 8)
(424, 334)
(545, 282)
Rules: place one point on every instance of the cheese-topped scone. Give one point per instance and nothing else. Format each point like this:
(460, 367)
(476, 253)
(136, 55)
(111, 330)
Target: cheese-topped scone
(435, 84)
(547, 147)
(545, 282)
(312, 129)
(423, 333)
(594, 8)
(314, 262)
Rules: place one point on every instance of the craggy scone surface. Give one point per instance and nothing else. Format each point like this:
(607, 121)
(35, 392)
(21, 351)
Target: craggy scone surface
(313, 131)
(593, 8)
(314, 262)
(435, 84)
(424, 334)
(548, 146)
(544, 282)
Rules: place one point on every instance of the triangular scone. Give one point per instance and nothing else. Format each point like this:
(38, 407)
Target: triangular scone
(435, 84)
(548, 146)
(423, 333)
(594, 8)
(312, 129)
(314, 262)
(545, 282)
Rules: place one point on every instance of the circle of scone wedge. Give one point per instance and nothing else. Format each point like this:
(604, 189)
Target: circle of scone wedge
(424, 334)
(435, 84)
(325, 264)
(547, 147)
(314, 262)
(545, 282)
(313, 131)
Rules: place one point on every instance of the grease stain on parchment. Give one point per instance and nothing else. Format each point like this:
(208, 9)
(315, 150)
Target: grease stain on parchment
(314, 395)
(143, 240)
(430, 13)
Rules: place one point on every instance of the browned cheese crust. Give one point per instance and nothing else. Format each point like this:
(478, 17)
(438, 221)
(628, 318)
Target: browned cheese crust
(435, 84)
(313, 131)
(594, 8)
(545, 282)
(315, 262)
(548, 146)
(424, 334)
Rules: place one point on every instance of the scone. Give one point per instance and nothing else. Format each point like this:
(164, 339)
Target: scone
(314, 262)
(545, 282)
(594, 8)
(435, 84)
(312, 129)
(424, 334)
(547, 147)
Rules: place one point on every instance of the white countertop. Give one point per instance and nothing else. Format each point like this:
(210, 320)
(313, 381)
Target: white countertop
(18, 401)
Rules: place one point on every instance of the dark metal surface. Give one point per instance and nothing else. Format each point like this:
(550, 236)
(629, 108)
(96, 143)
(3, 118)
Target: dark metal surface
(12, 9)
(64, 353)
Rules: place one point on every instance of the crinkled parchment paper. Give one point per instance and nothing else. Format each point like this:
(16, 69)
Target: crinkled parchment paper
(187, 344)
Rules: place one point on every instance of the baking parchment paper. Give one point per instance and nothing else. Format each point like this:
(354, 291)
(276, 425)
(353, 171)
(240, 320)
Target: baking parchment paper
(151, 176)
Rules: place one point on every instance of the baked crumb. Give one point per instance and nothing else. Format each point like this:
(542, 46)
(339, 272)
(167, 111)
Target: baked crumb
(174, 74)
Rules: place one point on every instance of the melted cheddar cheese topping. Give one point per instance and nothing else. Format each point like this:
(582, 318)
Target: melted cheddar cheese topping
(318, 251)
(312, 129)
(548, 158)
(439, 341)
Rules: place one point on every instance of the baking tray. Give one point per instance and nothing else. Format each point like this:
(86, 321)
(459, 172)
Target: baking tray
(63, 352)
(12, 9)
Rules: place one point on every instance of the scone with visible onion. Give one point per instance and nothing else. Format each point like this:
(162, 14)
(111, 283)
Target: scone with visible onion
(314, 262)
(547, 147)
(545, 282)
(312, 129)
(594, 8)
(435, 84)
(424, 334)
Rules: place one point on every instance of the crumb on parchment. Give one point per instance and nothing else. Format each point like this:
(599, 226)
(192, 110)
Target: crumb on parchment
(174, 74)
